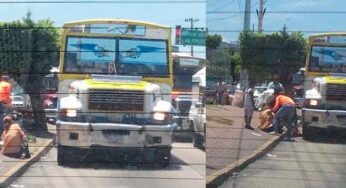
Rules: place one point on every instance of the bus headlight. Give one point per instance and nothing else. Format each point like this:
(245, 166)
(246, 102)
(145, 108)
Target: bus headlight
(68, 113)
(159, 116)
(312, 103)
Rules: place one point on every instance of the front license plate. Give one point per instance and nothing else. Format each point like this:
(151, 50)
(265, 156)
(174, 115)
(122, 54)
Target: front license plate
(115, 136)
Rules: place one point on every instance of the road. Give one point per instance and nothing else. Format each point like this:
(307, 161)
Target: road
(186, 169)
(321, 163)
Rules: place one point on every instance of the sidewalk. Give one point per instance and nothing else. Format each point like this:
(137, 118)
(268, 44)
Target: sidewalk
(11, 168)
(229, 146)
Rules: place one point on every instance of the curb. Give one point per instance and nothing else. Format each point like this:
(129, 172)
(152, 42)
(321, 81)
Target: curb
(220, 176)
(22, 166)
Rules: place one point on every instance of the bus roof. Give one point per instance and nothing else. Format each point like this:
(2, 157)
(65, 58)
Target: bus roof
(107, 20)
(328, 34)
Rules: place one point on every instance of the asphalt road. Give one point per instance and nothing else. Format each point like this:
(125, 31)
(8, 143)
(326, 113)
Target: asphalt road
(186, 169)
(321, 163)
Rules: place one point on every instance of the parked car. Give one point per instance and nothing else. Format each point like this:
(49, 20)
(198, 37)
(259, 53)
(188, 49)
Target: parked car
(263, 98)
(17, 101)
(197, 114)
(258, 90)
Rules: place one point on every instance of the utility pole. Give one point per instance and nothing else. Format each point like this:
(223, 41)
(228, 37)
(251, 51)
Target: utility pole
(247, 15)
(192, 21)
(260, 14)
(247, 27)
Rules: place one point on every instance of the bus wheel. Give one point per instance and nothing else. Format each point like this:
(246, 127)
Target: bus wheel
(164, 155)
(308, 132)
(198, 141)
(68, 155)
(62, 156)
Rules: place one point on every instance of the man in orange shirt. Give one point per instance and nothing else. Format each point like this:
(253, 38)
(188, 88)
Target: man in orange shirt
(5, 90)
(285, 110)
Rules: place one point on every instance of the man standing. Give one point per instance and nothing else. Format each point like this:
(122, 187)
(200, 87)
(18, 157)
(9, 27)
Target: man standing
(249, 106)
(5, 91)
(5, 97)
(284, 110)
(276, 83)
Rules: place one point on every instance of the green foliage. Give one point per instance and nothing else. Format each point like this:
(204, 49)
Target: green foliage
(213, 41)
(262, 54)
(28, 50)
(28, 47)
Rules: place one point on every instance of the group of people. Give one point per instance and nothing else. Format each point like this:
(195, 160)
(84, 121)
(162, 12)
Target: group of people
(280, 110)
(221, 93)
(12, 142)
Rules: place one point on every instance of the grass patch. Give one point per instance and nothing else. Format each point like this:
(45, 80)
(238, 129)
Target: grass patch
(220, 120)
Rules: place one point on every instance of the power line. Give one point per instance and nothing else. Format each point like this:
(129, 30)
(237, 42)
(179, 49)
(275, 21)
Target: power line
(279, 12)
(104, 2)
(223, 6)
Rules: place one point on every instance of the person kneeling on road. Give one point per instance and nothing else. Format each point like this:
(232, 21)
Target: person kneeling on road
(12, 139)
(284, 110)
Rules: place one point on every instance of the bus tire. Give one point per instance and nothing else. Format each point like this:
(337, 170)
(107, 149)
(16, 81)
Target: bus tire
(308, 132)
(164, 155)
(154, 157)
(198, 141)
(68, 155)
(63, 156)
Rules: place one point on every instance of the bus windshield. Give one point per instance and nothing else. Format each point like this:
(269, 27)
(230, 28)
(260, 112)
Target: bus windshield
(184, 68)
(328, 59)
(116, 55)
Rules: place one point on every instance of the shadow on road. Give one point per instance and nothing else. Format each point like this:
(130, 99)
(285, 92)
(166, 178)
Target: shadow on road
(125, 163)
(330, 136)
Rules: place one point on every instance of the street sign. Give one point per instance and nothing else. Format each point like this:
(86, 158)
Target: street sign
(193, 37)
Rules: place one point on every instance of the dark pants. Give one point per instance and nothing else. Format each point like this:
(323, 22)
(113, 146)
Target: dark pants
(3, 111)
(286, 114)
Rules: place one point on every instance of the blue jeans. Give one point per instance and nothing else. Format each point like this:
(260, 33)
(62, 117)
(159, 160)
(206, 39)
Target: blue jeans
(286, 114)
(3, 110)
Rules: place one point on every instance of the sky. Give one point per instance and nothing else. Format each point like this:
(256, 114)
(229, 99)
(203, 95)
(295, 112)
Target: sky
(324, 16)
(166, 12)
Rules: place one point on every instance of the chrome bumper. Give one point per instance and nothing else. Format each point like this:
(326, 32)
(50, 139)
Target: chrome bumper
(86, 135)
(324, 118)
(51, 113)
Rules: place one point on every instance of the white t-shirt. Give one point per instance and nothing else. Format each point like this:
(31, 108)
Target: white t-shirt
(247, 98)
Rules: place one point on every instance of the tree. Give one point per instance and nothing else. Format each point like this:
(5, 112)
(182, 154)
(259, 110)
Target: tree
(28, 50)
(213, 41)
(263, 54)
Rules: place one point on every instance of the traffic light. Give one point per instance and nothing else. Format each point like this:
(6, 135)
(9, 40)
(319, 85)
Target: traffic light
(177, 34)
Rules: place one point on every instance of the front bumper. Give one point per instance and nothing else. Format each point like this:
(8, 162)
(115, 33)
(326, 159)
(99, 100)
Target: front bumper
(324, 118)
(87, 135)
(51, 113)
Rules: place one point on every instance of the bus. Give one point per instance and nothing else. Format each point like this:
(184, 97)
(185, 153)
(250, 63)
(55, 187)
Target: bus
(115, 91)
(324, 84)
(184, 67)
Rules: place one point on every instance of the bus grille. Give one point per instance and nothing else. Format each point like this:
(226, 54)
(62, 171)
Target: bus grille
(116, 100)
(336, 92)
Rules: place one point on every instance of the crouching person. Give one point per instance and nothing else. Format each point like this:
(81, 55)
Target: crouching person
(12, 139)
(285, 110)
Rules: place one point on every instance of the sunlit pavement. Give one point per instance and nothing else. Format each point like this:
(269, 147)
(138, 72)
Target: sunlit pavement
(297, 164)
(186, 169)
